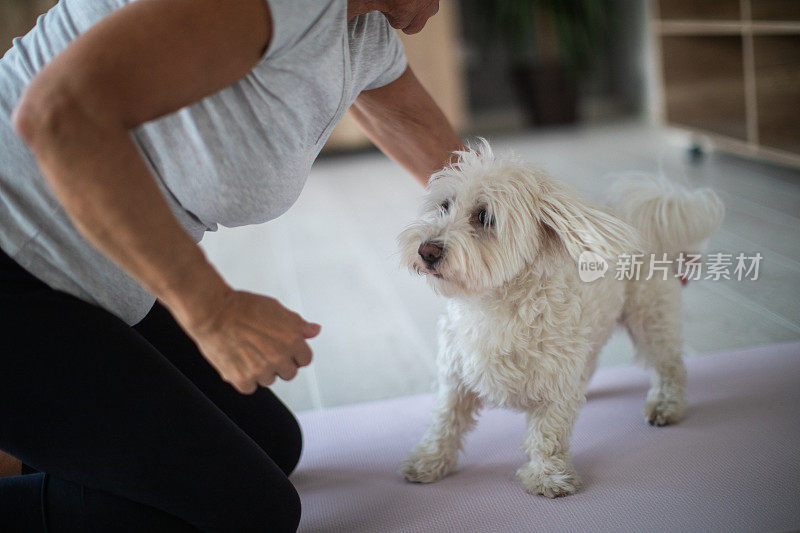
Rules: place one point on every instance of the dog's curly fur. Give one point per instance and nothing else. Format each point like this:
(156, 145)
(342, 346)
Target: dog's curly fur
(522, 330)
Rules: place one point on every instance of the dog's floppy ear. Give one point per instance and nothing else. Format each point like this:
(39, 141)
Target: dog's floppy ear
(581, 227)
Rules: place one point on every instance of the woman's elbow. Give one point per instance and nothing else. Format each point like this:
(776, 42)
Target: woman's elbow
(47, 113)
(24, 120)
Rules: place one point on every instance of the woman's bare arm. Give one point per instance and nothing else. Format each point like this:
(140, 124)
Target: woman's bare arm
(141, 62)
(148, 59)
(403, 121)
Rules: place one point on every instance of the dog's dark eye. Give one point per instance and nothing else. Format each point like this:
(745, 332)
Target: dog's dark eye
(485, 219)
(445, 206)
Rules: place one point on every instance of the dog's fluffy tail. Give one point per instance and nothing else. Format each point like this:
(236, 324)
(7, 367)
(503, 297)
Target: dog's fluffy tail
(670, 217)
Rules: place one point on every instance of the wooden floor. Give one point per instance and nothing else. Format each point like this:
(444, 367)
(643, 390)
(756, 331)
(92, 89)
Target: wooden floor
(332, 258)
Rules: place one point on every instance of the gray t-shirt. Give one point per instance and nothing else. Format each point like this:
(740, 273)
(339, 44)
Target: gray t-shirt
(240, 156)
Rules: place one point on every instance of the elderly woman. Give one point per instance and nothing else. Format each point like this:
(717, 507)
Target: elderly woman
(127, 130)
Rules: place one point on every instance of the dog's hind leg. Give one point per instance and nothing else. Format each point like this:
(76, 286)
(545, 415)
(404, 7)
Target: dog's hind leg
(653, 320)
(437, 453)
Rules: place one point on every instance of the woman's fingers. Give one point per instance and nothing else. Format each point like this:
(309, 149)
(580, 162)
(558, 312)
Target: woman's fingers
(287, 372)
(311, 330)
(234, 371)
(257, 341)
(419, 22)
(297, 356)
(283, 363)
(245, 386)
(301, 355)
(412, 20)
(267, 379)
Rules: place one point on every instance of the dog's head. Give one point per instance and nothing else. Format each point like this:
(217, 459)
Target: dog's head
(486, 218)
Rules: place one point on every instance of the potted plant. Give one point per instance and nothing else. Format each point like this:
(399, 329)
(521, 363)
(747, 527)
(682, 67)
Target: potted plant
(550, 43)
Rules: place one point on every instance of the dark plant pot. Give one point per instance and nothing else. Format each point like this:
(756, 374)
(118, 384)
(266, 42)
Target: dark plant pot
(547, 92)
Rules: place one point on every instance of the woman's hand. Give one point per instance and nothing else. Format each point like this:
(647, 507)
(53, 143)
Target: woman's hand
(252, 339)
(409, 16)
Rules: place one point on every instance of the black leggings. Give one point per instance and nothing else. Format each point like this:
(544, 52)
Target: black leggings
(128, 428)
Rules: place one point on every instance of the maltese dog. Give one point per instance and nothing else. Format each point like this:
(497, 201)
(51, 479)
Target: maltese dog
(506, 244)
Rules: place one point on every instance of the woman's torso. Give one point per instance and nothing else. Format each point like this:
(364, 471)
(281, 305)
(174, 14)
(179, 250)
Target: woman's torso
(240, 156)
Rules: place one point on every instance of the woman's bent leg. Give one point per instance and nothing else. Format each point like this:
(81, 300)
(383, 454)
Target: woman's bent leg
(125, 439)
(261, 415)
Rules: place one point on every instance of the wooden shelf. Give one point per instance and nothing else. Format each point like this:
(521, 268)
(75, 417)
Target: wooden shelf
(731, 70)
(726, 27)
(748, 149)
(699, 9)
(775, 10)
(728, 10)
(708, 91)
(777, 75)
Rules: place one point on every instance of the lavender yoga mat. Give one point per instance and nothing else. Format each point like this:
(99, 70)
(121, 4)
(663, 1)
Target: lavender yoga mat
(733, 464)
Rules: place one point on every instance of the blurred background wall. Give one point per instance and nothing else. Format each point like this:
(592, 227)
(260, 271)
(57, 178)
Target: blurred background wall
(467, 62)
(728, 70)
(17, 16)
(509, 65)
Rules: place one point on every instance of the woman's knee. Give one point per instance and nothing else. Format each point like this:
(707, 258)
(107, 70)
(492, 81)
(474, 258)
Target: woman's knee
(275, 509)
(277, 432)
(292, 446)
(288, 519)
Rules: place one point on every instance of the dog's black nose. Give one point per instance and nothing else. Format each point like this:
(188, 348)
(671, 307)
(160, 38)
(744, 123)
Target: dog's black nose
(430, 252)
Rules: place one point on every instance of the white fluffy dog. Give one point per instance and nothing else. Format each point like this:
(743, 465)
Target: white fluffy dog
(501, 241)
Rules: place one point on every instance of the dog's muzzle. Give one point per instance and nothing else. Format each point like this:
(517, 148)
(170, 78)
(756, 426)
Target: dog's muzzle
(431, 253)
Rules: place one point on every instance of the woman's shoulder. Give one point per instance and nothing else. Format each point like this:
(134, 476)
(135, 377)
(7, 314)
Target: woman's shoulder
(371, 33)
(85, 13)
(296, 20)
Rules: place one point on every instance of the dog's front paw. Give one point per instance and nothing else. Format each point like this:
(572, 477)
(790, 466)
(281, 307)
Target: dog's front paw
(553, 483)
(663, 411)
(424, 465)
